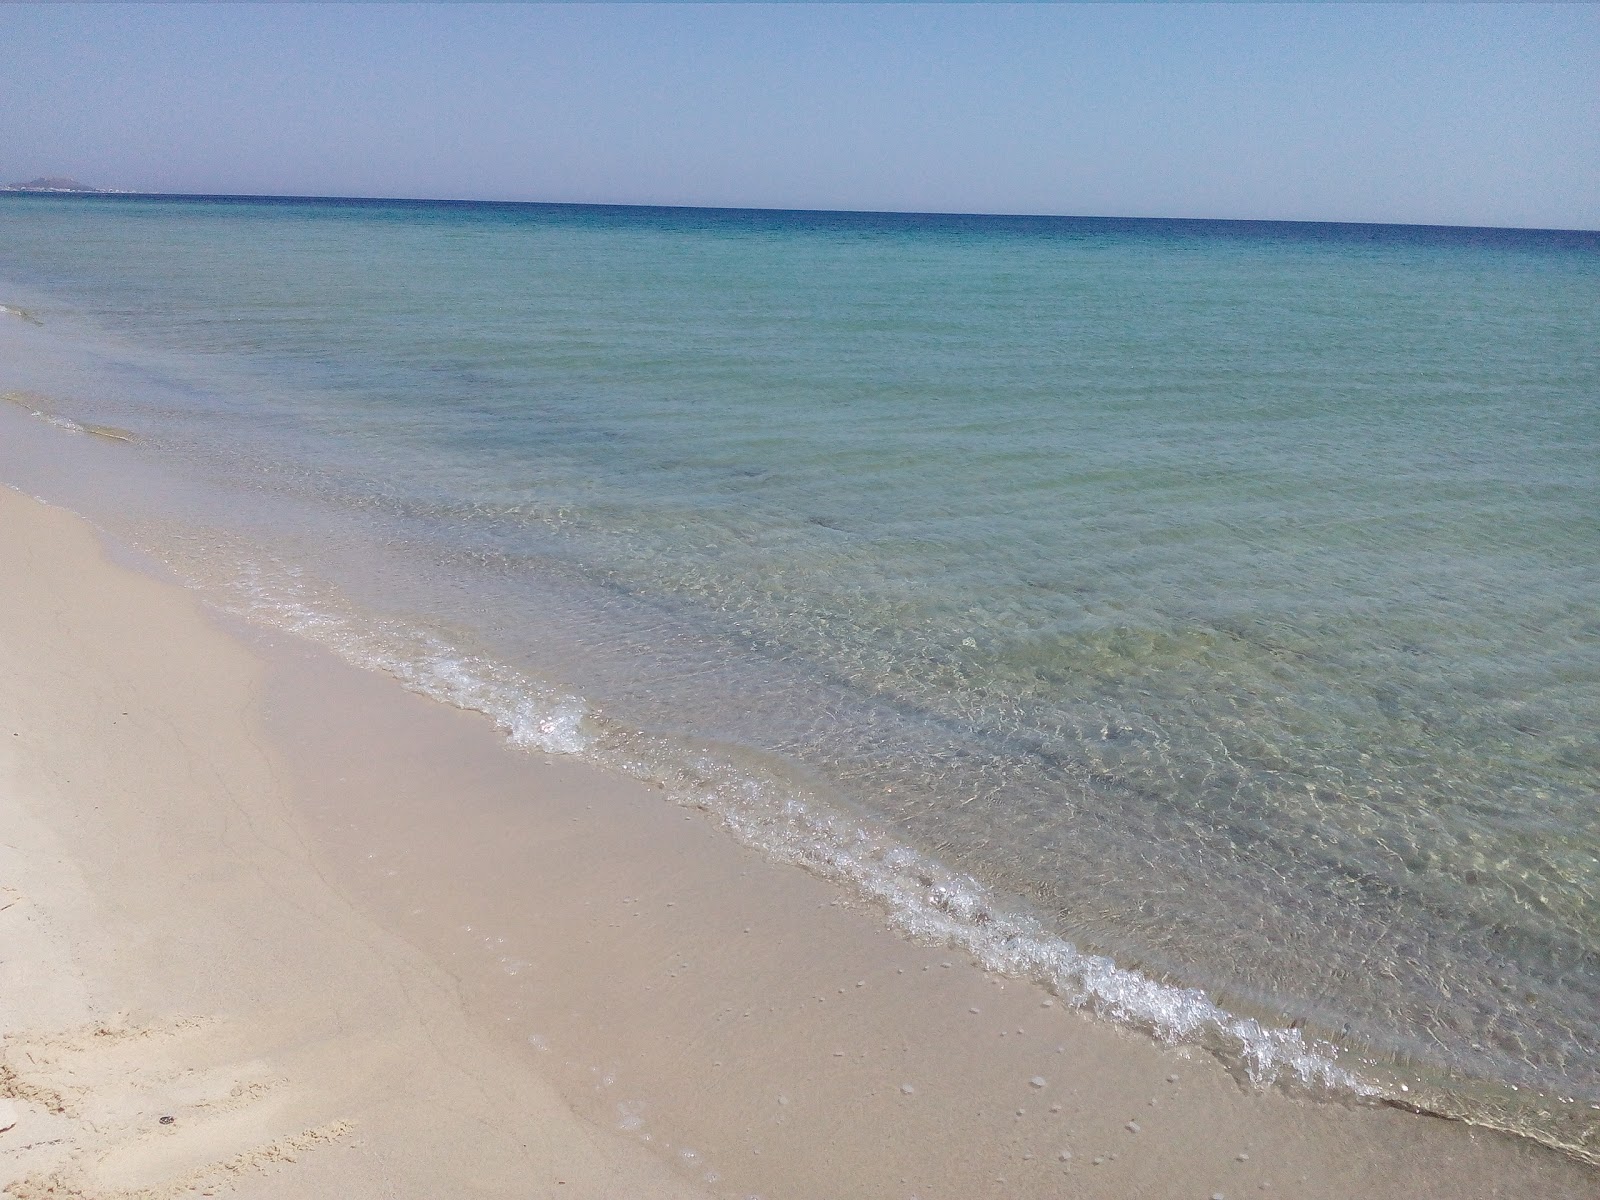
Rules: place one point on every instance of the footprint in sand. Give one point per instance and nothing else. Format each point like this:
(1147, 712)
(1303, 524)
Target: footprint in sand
(148, 1111)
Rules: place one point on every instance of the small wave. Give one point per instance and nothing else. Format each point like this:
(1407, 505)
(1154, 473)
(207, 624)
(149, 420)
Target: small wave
(933, 903)
(34, 408)
(529, 713)
(22, 314)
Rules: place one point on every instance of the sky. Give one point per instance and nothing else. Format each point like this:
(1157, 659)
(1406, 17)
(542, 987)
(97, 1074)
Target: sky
(1418, 113)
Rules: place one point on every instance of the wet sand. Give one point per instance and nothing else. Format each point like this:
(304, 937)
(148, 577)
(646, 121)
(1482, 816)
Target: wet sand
(354, 944)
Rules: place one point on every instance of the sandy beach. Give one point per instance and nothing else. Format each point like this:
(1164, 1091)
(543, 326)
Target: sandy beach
(274, 926)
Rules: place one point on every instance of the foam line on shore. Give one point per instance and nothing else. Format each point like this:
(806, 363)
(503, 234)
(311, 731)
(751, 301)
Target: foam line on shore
(925, 899)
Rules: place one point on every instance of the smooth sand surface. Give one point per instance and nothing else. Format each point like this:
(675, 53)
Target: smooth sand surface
(170, 948)
(354, 945)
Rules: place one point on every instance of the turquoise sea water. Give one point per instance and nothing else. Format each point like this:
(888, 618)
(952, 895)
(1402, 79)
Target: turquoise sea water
(1202, 617)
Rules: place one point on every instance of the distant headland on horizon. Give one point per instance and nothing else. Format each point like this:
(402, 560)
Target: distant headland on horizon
(49, 183)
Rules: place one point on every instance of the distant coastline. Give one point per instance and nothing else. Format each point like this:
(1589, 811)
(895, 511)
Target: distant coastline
(58, 184)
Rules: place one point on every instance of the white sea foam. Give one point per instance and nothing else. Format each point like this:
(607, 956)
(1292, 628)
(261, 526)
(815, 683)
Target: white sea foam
(931, 902)
(22, 314)
(26, 402)
(528, 712)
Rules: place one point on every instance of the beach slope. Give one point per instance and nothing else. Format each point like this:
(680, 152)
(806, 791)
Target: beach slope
(187, 1005)
(272, 926)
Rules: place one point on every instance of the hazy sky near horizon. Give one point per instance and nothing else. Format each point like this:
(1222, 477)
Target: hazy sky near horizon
(1453, 114)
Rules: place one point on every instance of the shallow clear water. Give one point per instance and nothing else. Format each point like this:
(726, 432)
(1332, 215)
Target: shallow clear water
(1220, 598)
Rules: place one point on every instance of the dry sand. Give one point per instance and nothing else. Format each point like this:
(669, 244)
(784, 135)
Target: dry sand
(169, 946)
(354, 945)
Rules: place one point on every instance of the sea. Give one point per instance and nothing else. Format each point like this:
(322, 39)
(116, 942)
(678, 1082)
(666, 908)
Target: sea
(1200, 618)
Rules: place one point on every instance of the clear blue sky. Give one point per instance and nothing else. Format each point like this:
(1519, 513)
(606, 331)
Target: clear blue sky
(1457, 114)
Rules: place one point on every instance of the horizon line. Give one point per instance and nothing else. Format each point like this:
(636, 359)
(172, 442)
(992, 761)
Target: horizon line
(15, 189)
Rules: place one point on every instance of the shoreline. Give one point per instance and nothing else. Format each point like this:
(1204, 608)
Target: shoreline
(580, 946)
